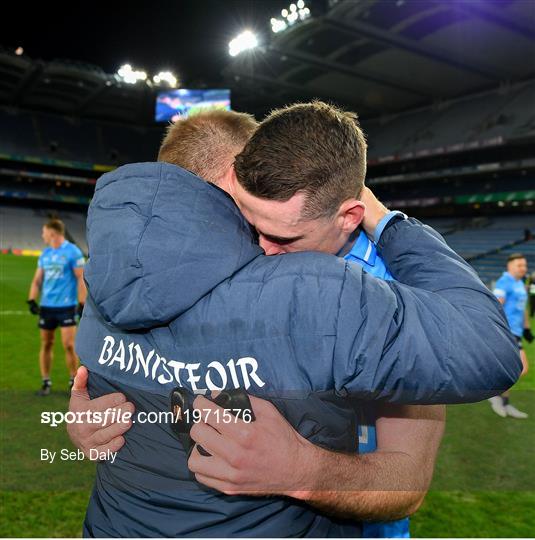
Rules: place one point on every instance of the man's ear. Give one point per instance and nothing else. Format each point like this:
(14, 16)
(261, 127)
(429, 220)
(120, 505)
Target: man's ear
(350, 214)
(226, 183)
(232, 179)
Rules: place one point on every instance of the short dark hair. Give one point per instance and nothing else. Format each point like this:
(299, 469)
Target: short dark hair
(315, 148)
(207, 142)
(56, 225)
(515, 256)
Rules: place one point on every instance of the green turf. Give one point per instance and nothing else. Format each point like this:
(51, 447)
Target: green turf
(483, 486)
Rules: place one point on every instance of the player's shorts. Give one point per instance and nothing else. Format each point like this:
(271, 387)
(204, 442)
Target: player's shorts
(519, 341)
(50, 317)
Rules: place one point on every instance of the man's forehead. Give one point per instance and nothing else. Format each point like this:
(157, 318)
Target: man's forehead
(280, 217)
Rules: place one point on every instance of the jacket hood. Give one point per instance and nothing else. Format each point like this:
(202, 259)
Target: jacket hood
(160, 238)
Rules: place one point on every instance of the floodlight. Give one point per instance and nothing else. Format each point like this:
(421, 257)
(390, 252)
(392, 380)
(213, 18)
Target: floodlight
(294, 13)
(129, 75)
(165, 77)
(244, 41)
(278, 25)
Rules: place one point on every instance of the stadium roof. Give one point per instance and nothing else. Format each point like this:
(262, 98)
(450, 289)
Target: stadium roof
(374, 56)
(383, 56)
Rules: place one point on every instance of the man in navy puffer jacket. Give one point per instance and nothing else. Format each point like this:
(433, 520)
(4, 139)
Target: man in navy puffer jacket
(164, 311)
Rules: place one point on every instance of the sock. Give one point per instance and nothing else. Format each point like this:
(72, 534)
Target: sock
(505, 400)
(47, 381)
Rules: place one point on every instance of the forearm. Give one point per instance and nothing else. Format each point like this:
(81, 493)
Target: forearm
(82, 290)
(384, 485)
(35, 289)
(381, 486)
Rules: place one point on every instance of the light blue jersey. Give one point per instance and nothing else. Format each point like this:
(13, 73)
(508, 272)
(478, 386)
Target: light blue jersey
(364, 253)
(513, 291)
(60, 287)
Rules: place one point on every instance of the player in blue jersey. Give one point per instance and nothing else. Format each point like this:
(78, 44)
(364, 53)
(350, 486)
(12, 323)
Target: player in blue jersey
(406, 439)
(59, 281)
(381, 427)
(271, 178)
(511, 292)
(363, 252)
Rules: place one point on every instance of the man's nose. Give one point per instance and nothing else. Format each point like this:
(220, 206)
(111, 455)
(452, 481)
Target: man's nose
(269, 247)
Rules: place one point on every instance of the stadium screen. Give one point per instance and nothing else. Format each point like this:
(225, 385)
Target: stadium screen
(172, 104)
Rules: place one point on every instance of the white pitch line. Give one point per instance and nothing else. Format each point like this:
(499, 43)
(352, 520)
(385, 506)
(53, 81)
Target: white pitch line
(14, 313)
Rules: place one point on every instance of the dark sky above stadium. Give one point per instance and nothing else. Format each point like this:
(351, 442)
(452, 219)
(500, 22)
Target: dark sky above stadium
(188, 36)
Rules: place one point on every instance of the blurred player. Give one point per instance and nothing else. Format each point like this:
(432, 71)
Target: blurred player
(59, 280)
(531, 290)
(511, 292)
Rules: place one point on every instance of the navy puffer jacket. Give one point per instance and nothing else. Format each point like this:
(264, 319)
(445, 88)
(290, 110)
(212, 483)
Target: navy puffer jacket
(181, 295)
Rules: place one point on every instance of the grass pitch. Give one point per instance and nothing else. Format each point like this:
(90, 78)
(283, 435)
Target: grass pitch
(484, 484)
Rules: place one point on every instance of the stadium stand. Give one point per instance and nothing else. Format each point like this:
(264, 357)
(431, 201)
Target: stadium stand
(64, 138)
(34, 188)
(70, 138)
(21, 227)
(477, 241)
(75, 223)
(487, 242)
(485, 118)
(444, 226)
(126, 144)
(443, 187)
(17, 132)
(503, 113)
(490, 267)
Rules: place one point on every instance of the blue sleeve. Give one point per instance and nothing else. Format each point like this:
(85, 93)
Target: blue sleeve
(502, 288)
(77, 257)
(384, 222)
(438, 336)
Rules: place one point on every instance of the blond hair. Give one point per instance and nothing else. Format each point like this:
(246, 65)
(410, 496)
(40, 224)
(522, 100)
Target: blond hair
(206, 143)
